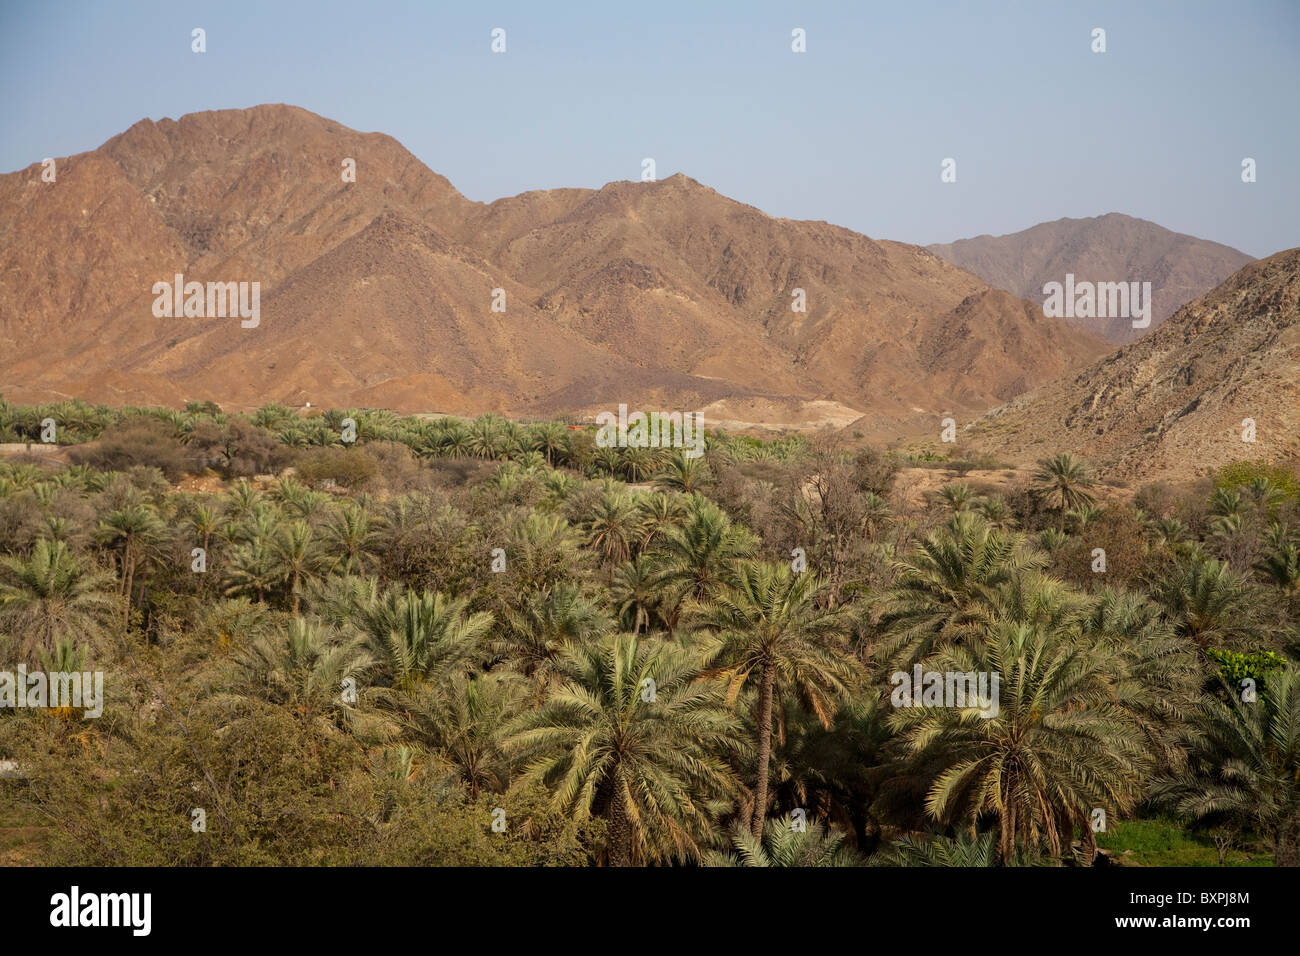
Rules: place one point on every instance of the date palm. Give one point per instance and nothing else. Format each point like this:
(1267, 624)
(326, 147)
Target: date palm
(551, 439)
(606, 461)
(637, 738)
(253, 568)
(684, 473)
(302, 667)
(1209, 603)
(698, 555)
(777, 641)
(957, 497)
(947, 589)
(639, 463)
(205, 519)
(1282, 569)
(487, 439)
(659, 512)
(783, 844)
(1063, 483)
(535, 638)
(134, 533)
(50, 597)
(299, 558)
(613, 528)
(634, 593)
(423, 638)
(351, 539)
(464, 720)
(962, 850)
(1057, 746)
(456, 441)
(1245, 764)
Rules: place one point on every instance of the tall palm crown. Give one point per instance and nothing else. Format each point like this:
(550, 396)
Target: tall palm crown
(50, 597)
(634, 737)
(778, 642)
(423, 637)
(1245, 765)
(947, 589)
(1057, 746)
(1063, 483)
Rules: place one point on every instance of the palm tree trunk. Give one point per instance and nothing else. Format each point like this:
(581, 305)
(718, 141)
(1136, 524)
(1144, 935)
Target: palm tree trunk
(128, 579)
(620, 828)
(764, 748)
(294, 593)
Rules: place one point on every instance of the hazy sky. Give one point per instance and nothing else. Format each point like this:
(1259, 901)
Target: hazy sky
(853, 131)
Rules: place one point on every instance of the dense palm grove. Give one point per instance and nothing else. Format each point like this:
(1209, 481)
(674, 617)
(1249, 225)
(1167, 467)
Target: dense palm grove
(481, 642)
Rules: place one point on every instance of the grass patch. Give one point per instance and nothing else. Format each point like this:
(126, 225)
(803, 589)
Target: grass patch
(1162, 842)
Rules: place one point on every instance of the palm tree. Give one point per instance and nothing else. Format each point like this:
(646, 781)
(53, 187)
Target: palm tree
(243, 499)
(1062, 483)
(135, 532)
(946, 590)
(613, 528)
(606, 461)
(297, 499)
(777, 640)
(296, 551)
(552, 439)
(536, 637)
(1209, 603)
(302, 667)
(253, 568)
(957, 497)
(464, 720)
(1162, 675)
(1055, 747)
(813, 846)
(1244, 764)
(698, 555)
(634, 593)
(683, 473)
(349, 536)
(996, 511)
(486, 439)
(456, 441)
(634, 737)
(659, 513)
(51, 597)
(424, 638)
(962, 850)
(1282, 569)
(205, 520)
(543, 551)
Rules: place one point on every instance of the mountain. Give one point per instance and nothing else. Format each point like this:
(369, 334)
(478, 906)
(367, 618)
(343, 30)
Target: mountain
(1110, 248)
(1172, 405)
(380, 291)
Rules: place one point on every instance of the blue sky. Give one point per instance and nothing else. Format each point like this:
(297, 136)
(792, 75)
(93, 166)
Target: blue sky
(852, 131)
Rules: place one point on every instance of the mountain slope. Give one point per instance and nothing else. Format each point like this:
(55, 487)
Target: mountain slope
(1172, 405)
(380, 291)
(1110, 248)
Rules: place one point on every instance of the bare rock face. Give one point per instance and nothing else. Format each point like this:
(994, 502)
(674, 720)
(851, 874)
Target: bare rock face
(1218, 382)
(1110, 248)
(379, 290)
